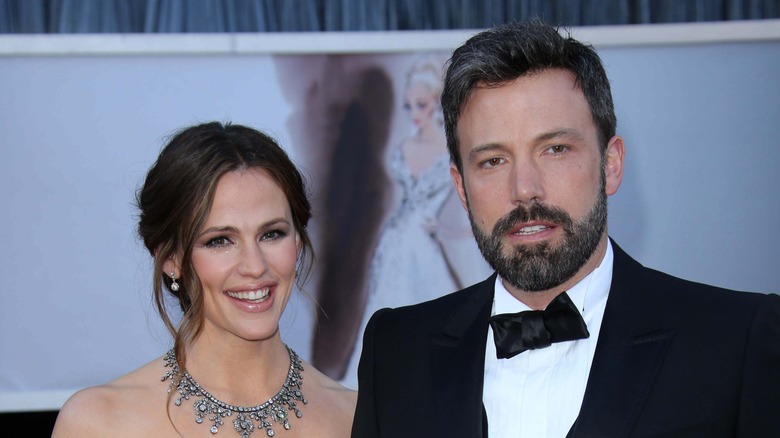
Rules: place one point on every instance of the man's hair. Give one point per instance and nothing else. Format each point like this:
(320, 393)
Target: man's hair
(501, 54)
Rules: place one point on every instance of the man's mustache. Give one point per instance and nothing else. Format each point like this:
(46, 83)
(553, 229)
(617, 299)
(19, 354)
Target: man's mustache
(536, 212)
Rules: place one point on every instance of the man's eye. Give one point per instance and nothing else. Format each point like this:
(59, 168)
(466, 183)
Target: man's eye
(558, 149)
(492, 162)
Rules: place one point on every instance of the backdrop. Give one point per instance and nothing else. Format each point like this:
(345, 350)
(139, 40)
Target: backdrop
(79, 131)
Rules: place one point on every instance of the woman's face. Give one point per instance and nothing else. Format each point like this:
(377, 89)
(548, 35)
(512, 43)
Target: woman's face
(421, 103)
(245, 256)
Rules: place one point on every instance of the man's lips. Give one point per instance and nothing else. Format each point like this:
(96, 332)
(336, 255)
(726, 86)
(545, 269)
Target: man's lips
(530, 229)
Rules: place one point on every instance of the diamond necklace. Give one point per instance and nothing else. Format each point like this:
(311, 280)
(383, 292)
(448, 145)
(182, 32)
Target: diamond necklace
(210, 408)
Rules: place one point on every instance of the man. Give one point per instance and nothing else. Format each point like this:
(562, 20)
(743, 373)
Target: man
(614, 349)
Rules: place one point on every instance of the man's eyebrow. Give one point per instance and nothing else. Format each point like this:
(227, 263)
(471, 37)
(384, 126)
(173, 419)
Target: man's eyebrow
(560, 133)
(483, 148)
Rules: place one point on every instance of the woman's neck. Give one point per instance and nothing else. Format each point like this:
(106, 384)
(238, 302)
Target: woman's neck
(237, 371)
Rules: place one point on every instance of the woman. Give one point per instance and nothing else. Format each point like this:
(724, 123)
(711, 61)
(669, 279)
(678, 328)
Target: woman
(223, 212)
(409, 264)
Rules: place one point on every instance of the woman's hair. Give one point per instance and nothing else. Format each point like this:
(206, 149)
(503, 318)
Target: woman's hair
(176, 198)
(428, 71)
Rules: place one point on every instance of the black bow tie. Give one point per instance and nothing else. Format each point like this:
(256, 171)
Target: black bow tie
(516, 332)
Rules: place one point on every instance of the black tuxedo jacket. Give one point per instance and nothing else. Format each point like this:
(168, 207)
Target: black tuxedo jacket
(674, 359)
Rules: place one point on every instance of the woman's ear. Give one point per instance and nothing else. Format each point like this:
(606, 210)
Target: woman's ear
(299, 251)
(172, 267)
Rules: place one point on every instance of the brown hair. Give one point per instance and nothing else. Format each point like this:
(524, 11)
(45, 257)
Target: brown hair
(176, 198)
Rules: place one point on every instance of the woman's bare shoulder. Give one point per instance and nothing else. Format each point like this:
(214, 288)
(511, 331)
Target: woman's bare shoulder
(336, 399)
(104, 410)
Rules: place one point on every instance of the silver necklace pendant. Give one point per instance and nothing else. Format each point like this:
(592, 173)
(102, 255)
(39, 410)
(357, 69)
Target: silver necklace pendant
(262, 416)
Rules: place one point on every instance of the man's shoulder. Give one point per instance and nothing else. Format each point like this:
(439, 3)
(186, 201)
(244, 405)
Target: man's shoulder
(452, 299)
(691, 291)
(438, 309)
(662, 286)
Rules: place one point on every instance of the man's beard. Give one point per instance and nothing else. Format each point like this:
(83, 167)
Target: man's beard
(540, 267)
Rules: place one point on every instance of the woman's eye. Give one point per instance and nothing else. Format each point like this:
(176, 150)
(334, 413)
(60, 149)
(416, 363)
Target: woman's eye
(218, 242)
(273, 235)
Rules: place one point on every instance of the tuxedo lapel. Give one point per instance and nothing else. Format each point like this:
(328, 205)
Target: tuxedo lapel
(629, 352)
(458, 363)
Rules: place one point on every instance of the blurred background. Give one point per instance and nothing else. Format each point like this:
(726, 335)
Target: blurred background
(90, 88)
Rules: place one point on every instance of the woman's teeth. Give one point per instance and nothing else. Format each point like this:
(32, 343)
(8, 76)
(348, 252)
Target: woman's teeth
(254, 295)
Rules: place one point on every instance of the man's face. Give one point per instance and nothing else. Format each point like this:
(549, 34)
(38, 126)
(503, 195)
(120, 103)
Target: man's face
(534, 179)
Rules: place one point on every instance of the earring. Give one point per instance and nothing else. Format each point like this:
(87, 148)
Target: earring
(174, 284)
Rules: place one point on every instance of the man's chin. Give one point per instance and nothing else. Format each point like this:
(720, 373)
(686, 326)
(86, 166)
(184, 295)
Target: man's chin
(511, 250)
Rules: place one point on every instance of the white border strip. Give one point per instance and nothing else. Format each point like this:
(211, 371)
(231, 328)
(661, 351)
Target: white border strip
(680, 33)
(364, 42)
(33, 401)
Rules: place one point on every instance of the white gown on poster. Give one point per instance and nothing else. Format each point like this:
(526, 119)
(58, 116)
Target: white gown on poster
(409, 265)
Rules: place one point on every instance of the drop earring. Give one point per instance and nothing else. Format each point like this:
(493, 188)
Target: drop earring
(174, 284)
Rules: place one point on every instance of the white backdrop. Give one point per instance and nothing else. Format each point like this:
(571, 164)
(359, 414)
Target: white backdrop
(80, 126)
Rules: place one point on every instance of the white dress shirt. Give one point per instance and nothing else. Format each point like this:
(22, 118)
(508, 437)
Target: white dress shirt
(538, 393)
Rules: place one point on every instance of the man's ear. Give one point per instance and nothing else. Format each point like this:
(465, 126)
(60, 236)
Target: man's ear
(457, 179)
(614, 160)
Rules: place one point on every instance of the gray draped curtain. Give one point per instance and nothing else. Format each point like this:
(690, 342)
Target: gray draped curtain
(181, 16)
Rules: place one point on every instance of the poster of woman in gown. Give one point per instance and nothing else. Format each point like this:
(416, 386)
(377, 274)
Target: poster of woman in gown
(390, 230)
(410, 263)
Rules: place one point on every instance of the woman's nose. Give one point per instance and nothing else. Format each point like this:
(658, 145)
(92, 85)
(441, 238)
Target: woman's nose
(253, 262)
